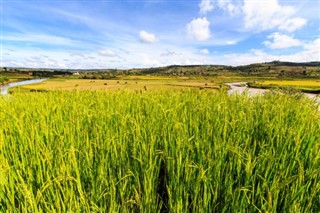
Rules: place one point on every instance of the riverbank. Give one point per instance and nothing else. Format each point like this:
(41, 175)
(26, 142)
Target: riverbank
(238, 87)
(4, 89)
(306, 86)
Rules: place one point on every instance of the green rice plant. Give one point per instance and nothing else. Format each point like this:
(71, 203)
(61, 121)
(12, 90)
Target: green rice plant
(167, 151)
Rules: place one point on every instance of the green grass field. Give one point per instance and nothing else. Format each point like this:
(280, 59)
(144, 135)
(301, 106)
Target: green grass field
(158, 151)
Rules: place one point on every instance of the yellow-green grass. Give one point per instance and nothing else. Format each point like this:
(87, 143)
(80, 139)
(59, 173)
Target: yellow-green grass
(297, 83)
(158, 151)
(304, 85)
(129, 83)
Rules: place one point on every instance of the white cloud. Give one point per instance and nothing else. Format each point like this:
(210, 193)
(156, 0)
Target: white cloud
(77, 54)
(228, 6)
(266, 15)
(253, 56)
(107, 53)
(148, 56)
(39, 38)
(33, 57)
(310, 52)
(150, 61)
(293, 24)
(199, 29)
(204, 51)
(281, 41)
(205, 6)
(146, 37)
(231, 42)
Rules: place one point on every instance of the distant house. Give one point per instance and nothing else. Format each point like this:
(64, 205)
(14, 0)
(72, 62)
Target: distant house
(76, 73)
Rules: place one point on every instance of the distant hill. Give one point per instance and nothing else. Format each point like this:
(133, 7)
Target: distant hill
(268, 68)
(308, 64)
(274, 68)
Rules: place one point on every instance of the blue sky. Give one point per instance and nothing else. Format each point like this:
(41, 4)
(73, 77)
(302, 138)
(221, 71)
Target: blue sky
(149, 33)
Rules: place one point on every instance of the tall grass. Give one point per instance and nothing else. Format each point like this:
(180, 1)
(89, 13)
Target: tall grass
(188, 151)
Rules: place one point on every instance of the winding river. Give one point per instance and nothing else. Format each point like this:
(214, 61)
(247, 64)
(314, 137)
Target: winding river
(4, 89)
(239, 88)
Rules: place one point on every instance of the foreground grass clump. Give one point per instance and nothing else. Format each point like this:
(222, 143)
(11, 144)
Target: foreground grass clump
(158, 152)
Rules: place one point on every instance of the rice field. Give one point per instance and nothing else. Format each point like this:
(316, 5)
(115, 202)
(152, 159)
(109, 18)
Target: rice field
(137, 83)
(158, 151)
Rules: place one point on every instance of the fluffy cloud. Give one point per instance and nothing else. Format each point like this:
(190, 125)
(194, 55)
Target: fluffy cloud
(199, 29)
(205, 6)
(228, 6)
(281, 41)
(204, 51)
(146, 37)
(264, 15)
(270, 14)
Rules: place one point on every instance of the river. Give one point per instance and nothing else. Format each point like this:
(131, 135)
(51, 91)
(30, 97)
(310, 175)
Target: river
(4, 89)
(238, 87)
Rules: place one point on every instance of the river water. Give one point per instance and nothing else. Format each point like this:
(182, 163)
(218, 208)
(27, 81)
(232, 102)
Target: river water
(239, 88)
(4, 89)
